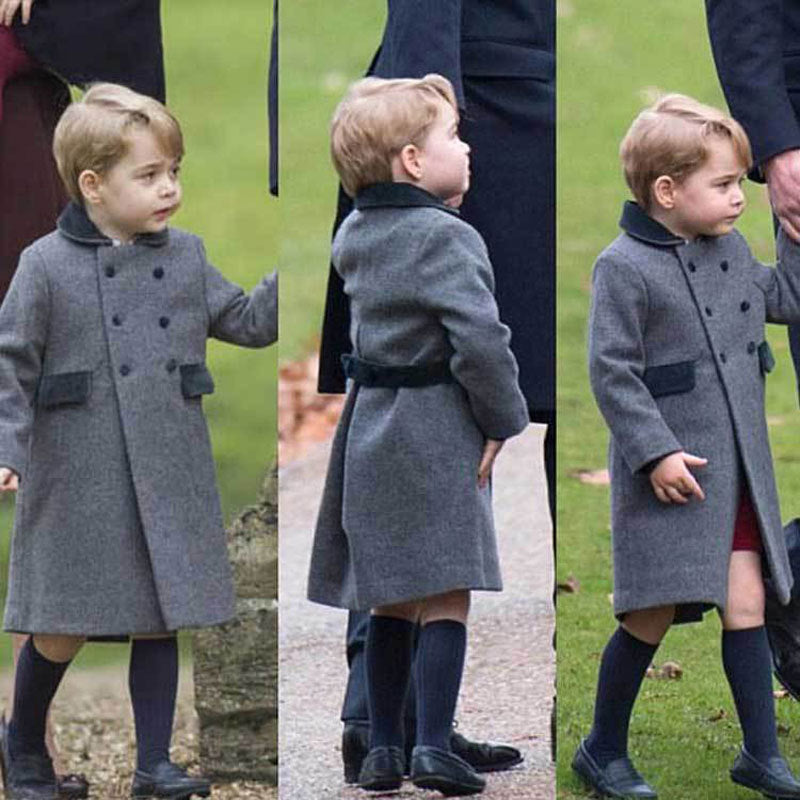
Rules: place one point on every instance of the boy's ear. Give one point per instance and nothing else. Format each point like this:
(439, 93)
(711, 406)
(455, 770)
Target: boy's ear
(89, 184)
(410, 161)
(664, 191)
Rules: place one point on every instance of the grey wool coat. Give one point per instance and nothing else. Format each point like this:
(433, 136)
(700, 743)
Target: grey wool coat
(677, 361)
(402, 516)
(102, 369)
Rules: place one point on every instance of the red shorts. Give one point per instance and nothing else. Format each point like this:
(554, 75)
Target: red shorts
(746, 535)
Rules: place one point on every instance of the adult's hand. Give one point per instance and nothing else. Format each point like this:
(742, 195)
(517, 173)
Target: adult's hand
(783, 181)
(9, 7)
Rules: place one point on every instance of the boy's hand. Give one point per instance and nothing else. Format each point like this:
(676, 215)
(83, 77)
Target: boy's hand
(9, 7)
(9, 481)
(673, 482)
(490, 451)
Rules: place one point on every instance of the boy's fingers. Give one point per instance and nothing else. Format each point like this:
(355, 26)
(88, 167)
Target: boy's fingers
(694, 461)
(660, 494)
(675, 496)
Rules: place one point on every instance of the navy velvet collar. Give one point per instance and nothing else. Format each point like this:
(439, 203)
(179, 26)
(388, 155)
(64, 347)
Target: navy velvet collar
(639, 224)
(74, 223)
(398, 195)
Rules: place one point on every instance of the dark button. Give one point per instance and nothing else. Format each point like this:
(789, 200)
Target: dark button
(691, 266)
(124, 370)
(172, 365)
(117, 320)
(723, 358)
(724, 266)
(163, 322)
(745, 305)
(110, 271)
(751, 347)
(708, 311)
(158, 273)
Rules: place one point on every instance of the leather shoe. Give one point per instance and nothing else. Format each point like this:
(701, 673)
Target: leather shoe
(355, 746)
(382, 770)
(72, 786)
(485, 756)
(617, 779)
(27, 776)
(168, 780)
(772, 778)
(434, 768)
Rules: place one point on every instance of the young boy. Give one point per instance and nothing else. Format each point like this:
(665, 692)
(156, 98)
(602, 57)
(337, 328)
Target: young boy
(677, 360)
(405, 526)
(102, 369)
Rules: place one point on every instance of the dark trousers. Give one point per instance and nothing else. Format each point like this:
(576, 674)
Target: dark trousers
(355, 706)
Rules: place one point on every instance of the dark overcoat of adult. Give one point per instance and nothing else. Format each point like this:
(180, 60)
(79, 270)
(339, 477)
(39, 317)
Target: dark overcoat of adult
(500, 58)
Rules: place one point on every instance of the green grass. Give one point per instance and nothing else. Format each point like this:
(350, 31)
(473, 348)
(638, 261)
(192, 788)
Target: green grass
(216, 63)
(612, 56)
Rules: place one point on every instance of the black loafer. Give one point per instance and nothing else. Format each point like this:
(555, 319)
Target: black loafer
(773, 778)
(382, 769)
(168, 780)
(619, 779)
(355, 746)
(485, 756)
(72, 786)
(434, 768)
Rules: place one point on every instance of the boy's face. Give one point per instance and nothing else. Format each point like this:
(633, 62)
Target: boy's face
(710, 200)
(444, 158)
(140, 192)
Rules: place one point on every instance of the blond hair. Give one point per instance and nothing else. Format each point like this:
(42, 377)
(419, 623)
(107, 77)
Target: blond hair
(672, 138)
(377, 119)
(94, 132)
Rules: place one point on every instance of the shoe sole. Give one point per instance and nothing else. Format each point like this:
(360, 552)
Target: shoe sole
(602, 793)
(445, 785)
(752, 785)
(499, 767)
(381, 785)
(181, 796)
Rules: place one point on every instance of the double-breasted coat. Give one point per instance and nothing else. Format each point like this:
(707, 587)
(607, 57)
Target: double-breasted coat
(500, 57)
(102, 369)
(677, 361)
(402, 516)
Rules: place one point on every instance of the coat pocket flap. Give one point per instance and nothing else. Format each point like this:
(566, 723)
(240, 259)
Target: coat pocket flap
(765, 358)
(66, 388)
(196, 380)
(670, 378)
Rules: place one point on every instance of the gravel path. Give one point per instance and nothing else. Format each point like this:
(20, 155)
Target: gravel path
(508, 684)
(94, 731)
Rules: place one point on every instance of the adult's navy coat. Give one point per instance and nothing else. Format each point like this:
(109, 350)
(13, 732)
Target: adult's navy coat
(756, 47)
(499, 55)
(83, 41)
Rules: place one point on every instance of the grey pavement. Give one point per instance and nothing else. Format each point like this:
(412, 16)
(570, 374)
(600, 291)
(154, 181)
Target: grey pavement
(508, 683)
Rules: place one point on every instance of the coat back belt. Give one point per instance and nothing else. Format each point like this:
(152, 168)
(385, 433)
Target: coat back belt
(368, 373)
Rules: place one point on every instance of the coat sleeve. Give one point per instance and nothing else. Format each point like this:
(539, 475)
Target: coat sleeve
(781, 285)
(746, 39)
(23, 333)
(250, 320)
(617, 362)
(456, 283)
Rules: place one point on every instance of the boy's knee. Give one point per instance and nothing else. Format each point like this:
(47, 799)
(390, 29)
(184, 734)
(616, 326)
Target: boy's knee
(452, 605)
(744, 612)
(58, 647)
(649, 624)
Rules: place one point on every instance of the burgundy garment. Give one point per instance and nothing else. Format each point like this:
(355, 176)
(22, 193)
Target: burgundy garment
(31, 193)
(746, 535)
(14, 61)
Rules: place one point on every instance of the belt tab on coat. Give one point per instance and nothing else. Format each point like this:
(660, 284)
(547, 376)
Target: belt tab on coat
(369, 373)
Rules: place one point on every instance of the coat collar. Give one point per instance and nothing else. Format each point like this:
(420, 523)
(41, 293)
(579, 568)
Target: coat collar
(74, 223)
(636, 222)
(398, 195)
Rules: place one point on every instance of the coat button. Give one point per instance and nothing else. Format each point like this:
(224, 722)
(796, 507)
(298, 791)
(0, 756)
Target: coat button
(163, 322)
(116, 320)
(110, 271)
(158, 273)
(751, 347)
(724, 266)
(124, 370)
(172, 365)
(723, 358)
(745, 305)
(691, 266)
(708, 311)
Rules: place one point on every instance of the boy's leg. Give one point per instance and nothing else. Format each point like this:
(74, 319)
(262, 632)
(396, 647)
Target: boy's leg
(625, 660)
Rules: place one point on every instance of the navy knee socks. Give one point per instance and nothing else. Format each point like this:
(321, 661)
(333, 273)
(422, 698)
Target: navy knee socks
(439, 666)
(622, 669)
(35, 685)
(389, 649)
(153, 685)
(748, 666)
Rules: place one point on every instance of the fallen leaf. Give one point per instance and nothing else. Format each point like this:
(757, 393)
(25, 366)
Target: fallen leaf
(668, 671)
(779, 694)
(783, 730)
(718, 715)
(569, 586)
(591, 477)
